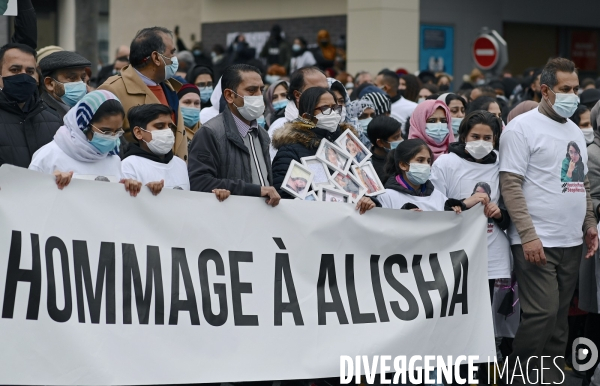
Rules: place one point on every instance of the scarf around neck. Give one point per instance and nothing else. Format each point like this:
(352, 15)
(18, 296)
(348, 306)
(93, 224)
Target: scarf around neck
(71, 138)
(546, 109)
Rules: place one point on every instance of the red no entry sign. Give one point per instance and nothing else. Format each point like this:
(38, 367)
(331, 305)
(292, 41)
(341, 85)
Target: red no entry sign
(485, 52)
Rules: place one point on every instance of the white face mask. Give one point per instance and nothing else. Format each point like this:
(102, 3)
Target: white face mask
(162, 141)
(254, 107)
(588, 135)
(565, 104)
(329, 122)
(479, 149)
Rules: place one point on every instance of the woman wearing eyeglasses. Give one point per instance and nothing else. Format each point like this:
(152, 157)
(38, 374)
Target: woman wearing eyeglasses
(87, 145)
(319, 118)
(202, 77)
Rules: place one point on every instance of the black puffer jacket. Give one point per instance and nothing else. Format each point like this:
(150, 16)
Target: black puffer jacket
(23, 132)
(295, 141)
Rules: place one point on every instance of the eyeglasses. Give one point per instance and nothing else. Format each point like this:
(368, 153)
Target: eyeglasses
(109, 132)
(326, 110)
(204, 84)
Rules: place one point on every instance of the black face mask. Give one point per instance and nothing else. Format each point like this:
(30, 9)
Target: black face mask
(444, 87)
(19, 88)
(401, 92)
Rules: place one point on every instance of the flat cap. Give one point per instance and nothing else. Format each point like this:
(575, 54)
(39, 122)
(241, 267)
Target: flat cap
(61, 60)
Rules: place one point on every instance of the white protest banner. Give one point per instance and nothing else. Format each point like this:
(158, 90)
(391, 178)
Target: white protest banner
(100, 288)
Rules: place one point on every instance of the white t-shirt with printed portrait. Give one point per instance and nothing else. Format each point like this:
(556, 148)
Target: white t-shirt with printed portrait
(458, 178)
(536, 147)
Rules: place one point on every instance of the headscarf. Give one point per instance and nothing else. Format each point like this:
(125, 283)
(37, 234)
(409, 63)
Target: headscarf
(443, 97)
(208, 113)
(198, 70)
(71, 138)
(329, 50)
(269, 98)
(187, 89)
(351, 120)
(331, 81)
(418, 121)
(521, 108)
(356, 108)
(381, 102)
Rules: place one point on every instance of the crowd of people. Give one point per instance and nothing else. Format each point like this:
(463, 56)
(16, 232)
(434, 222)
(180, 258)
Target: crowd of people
(161, 118)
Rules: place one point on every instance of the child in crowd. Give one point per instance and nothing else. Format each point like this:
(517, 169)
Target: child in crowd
(385, 134)
(151, 159)
(472, 167)
(408, 185)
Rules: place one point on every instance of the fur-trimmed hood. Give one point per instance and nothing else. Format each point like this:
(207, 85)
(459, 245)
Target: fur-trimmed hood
(309, 136)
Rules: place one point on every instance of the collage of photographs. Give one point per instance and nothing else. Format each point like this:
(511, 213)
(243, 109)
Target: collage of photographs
(339, 172)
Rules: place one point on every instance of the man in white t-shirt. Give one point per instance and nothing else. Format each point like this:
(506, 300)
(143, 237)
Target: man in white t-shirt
(543, 168)
(402, 108)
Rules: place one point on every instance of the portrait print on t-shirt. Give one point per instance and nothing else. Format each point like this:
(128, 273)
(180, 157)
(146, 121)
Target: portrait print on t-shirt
(572, 169)
(470, 187)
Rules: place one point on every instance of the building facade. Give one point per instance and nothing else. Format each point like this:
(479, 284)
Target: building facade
(412, 34)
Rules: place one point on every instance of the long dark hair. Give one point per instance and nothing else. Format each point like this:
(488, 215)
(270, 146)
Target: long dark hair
(574, 144)
(310, 98)
(484, 118)
(405, 151)
(485, 187)
(413, 86)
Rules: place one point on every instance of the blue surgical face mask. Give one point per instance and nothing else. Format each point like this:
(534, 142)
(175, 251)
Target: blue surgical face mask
(270, 79)
(281, 104)
(296, 47)
(171, 69)
(206, 93)
(364, 123)
(565, 104)
(455, 125)
(394, 144)
(104, 143)
(191, 116)
(261, 121)
(197, 52)
(418, 174)
(74, 91)
(437, 131)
